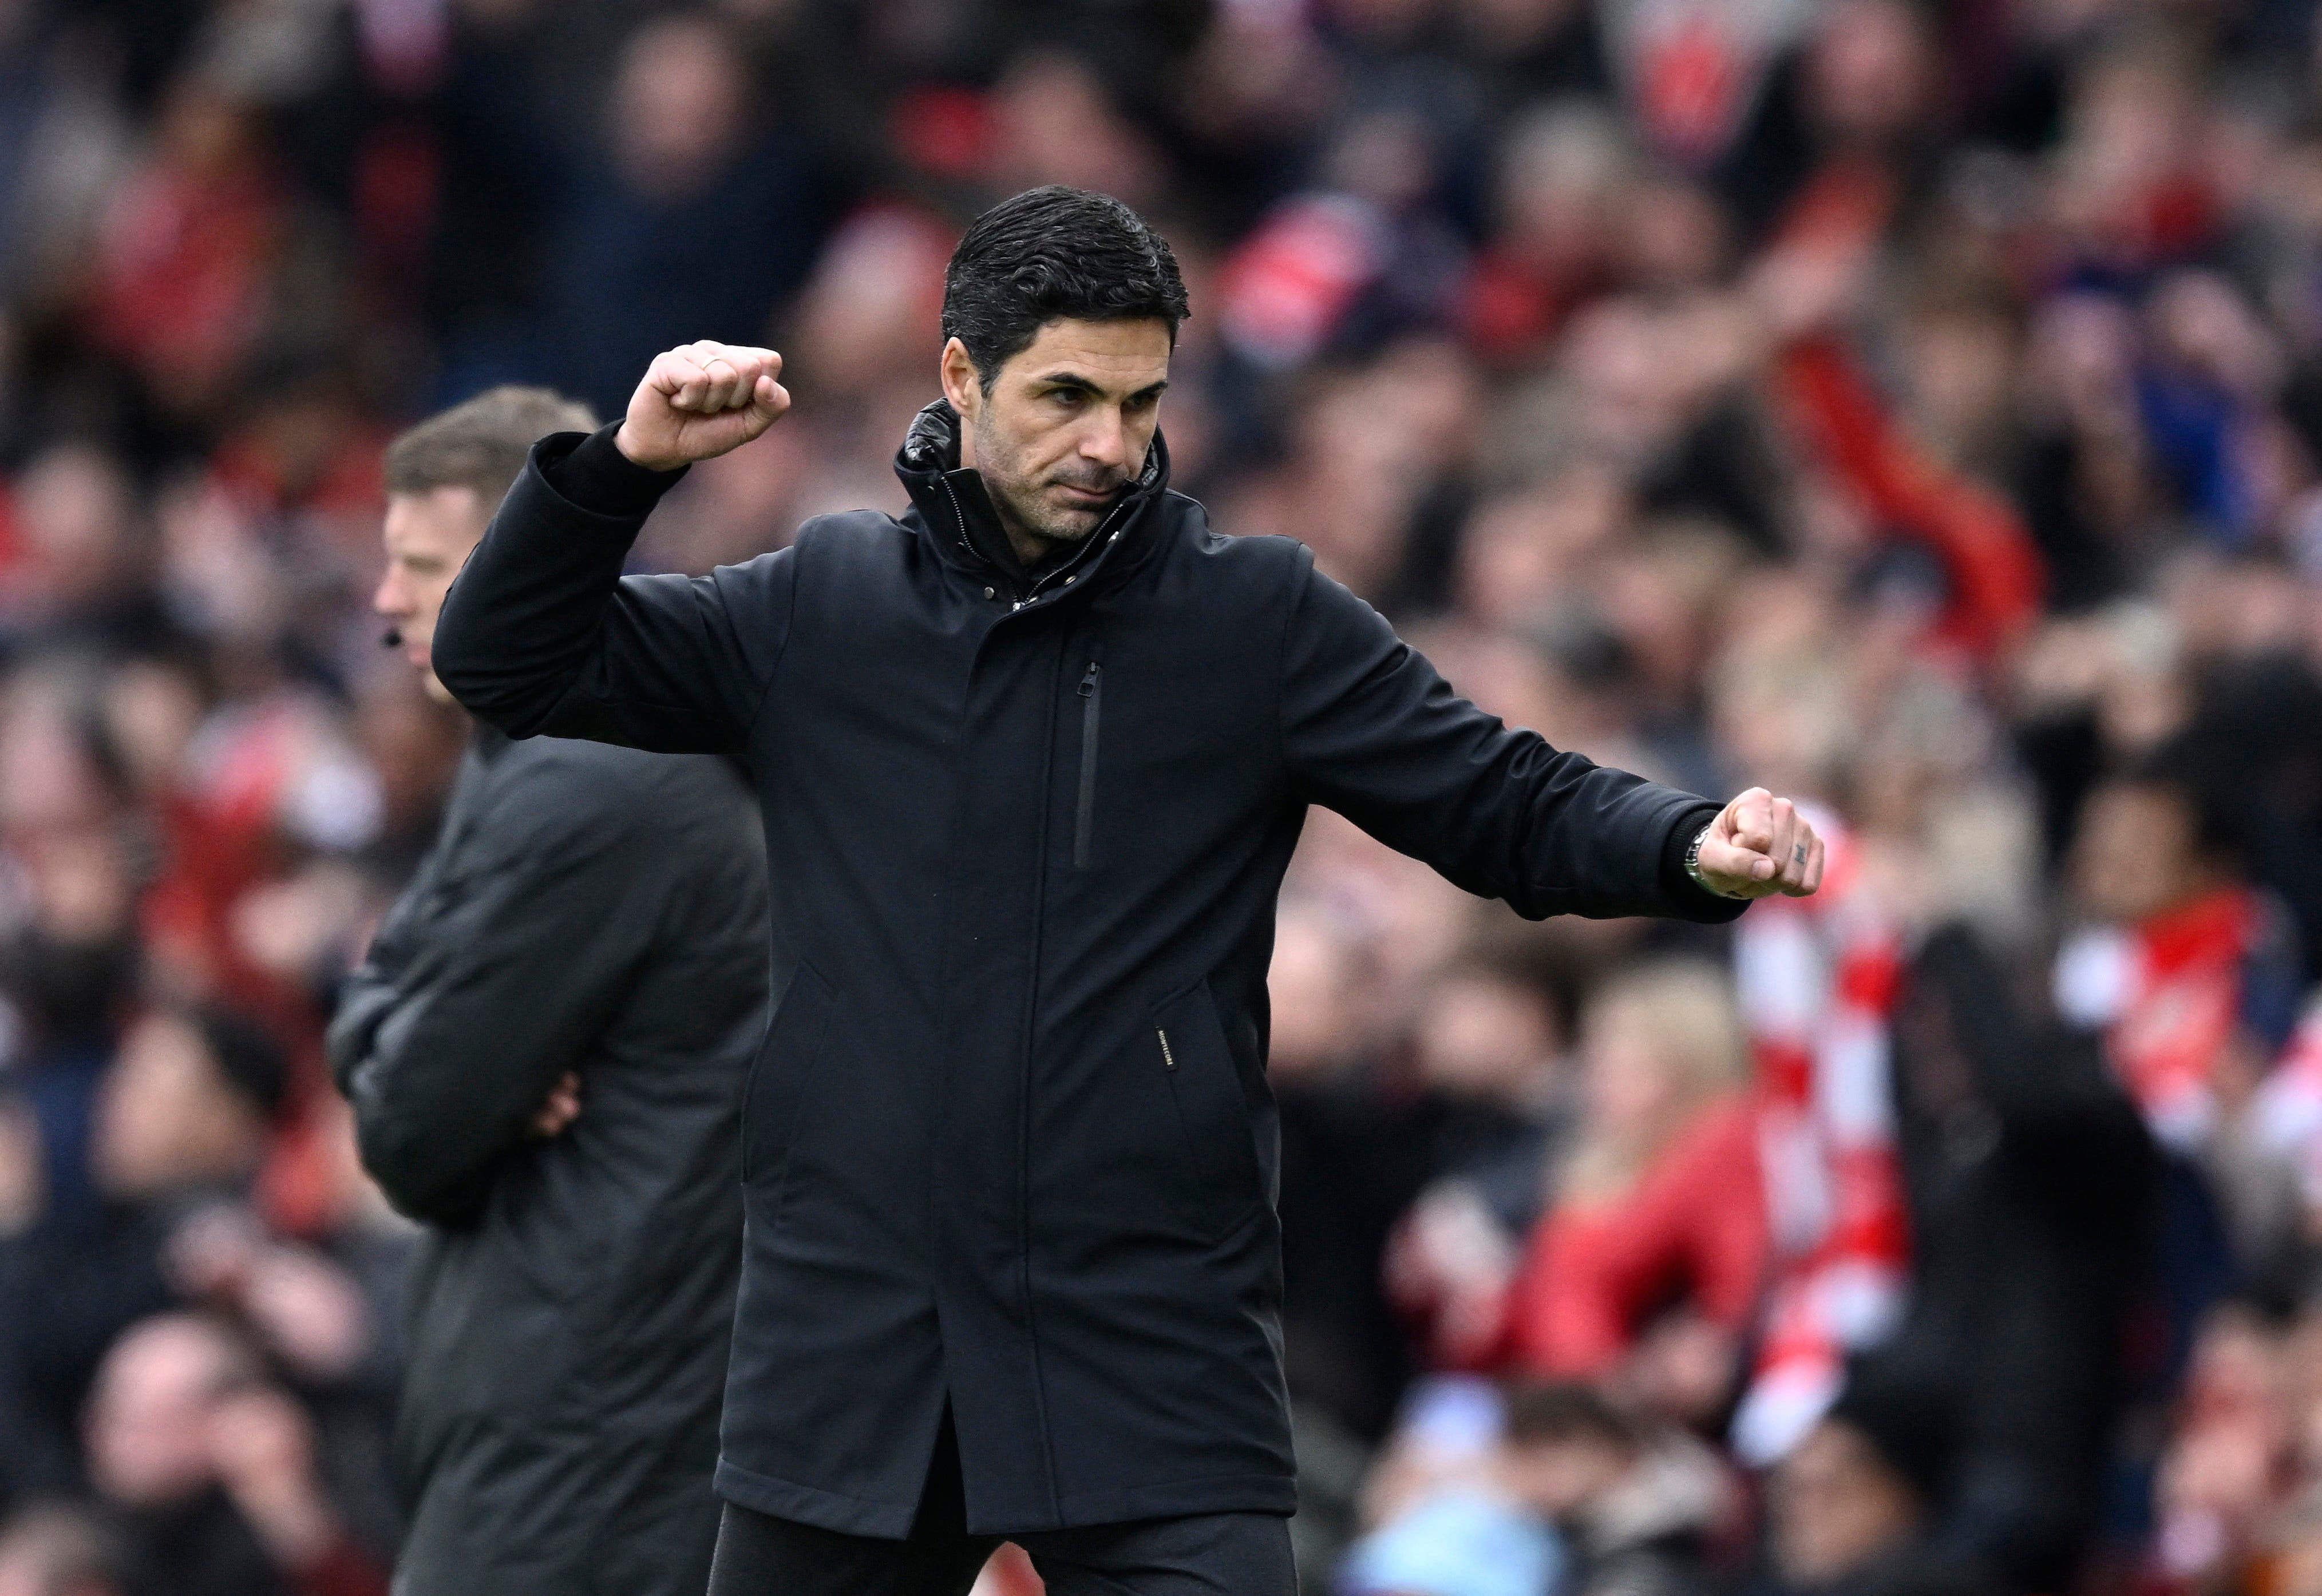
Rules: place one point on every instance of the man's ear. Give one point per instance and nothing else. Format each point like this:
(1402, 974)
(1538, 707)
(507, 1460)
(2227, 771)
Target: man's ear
(961, 385)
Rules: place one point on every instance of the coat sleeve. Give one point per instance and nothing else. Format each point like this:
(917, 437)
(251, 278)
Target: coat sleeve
(449, 1037)
(1370, 729)
(542, 634)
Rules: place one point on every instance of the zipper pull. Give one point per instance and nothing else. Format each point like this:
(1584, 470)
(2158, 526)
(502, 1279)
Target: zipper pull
(1088, 682)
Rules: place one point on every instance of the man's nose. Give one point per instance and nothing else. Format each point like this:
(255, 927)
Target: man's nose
(388, 597)
(1105, 439)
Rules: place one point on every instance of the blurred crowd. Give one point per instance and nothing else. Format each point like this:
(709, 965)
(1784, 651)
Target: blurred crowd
(1916, 407)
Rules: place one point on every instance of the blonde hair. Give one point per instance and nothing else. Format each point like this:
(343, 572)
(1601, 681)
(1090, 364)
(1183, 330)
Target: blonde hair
(1684, 1010)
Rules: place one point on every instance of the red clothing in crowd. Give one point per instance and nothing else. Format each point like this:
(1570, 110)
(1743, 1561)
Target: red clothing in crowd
(1997, 577)
(345, 1569)
(2172, 988)
(1693, 1229)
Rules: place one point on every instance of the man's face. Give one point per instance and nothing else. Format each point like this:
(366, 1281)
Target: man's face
(1065, 425)
(1835, 1506)
(2137, 853)
(149, 1419)
(165, 1118)
(428, 537)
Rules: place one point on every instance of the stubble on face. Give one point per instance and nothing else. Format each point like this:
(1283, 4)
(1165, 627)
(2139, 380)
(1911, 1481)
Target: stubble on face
(1063, 428)
(1039, 504)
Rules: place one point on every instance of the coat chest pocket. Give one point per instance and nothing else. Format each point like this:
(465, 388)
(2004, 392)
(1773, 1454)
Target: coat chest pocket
(776, 1095)
(1188, 1045)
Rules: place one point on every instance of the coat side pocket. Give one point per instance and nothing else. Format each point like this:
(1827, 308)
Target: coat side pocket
(1189, 1043)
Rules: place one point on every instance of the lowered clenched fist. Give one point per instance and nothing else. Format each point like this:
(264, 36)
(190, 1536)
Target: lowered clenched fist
(700, 400)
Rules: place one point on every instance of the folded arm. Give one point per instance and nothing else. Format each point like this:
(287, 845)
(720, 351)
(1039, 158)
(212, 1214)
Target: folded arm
(451, 1038)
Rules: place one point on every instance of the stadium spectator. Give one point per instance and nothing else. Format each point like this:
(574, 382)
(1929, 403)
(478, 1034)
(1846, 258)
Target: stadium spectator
(54, 1550)
(208, 1470)
(1638, 1508)
(178, 1134)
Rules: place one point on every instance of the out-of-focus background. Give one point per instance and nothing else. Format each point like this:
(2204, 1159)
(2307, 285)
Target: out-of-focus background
(1916, 407)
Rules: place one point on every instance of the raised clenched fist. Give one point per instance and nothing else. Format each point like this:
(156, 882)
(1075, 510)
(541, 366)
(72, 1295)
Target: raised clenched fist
(700, 400)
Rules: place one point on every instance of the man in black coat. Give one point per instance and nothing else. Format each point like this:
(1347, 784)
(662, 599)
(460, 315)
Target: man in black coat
(545, 1050)
(2034, 1190)
(1031, 762)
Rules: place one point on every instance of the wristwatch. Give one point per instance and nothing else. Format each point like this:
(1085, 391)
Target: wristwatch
(1693, 866)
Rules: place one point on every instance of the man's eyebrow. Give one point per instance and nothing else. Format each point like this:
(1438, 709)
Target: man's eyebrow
(1073, 382)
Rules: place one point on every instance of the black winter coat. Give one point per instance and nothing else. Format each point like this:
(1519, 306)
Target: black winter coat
(2032, 1187)
(603, 911)
(1008, 1144)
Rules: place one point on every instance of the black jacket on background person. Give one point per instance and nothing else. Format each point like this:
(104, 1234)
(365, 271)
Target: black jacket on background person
(1009, 1145)
(2033, 1188)
(601, 911)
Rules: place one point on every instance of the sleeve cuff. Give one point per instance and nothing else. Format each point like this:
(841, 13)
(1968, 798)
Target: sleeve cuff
(1693, 900)
(593, 474)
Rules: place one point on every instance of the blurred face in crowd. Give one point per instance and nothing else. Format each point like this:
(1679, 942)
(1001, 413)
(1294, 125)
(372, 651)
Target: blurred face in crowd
(429, 536)
(1064, 425)
(54, 1550)
(74, 509)
(1484, 1038)
(1836, 1505)
(1311, 989)
(1633, 1087)
(2138, 853)
(678, 106)
(1870, 72)
(165, 1117)
(150, 1417)
(1558, 1479)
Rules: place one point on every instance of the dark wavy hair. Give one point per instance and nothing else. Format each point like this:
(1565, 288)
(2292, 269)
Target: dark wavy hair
(1052, 254)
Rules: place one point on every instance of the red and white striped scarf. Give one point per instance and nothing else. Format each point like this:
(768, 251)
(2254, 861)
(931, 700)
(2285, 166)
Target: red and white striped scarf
(2167, 993)
(1818, 979)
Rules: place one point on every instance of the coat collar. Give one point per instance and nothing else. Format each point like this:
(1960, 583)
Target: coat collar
(958, 518)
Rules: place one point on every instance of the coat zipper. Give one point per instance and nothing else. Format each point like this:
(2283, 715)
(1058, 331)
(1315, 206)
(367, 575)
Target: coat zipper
(1168, 1059)
(1084, 815)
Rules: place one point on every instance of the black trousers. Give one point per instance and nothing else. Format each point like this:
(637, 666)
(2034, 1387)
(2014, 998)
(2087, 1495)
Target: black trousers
(1207, 1554)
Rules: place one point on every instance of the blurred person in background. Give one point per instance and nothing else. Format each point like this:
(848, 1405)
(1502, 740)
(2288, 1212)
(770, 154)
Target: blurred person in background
(1353, 1156)
(2240, 1453)
(1441, 1513)
(2191, 976)
(2033, 1191)
(1637, 1506)
(648, 246)
(1659, 1208)
(182, 1121)
(206, 1469)
(1458, 1542)
(52, 1549)
(1246, 687)
(545, 1051)
(1655, 1207)
(2183, 963)
(1849, 1507)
